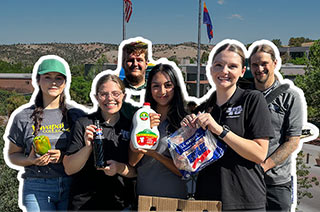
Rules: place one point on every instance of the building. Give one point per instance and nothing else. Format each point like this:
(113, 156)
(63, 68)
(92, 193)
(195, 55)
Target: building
(20, 82)
(190, 73)
(294, 52)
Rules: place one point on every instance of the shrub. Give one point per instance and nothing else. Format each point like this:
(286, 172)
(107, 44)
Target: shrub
(9, 184)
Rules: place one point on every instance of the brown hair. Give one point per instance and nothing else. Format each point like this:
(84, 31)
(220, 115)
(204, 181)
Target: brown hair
(264, 48)
(38, 111)
(137, 47)
(232, 48)
(110, 77)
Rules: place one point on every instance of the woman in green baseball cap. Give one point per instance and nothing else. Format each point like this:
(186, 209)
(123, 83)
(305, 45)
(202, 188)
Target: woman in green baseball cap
(44, 123)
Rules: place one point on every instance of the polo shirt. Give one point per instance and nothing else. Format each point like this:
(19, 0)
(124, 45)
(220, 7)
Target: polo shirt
(234, 180)
(286, 117)
(92, 189)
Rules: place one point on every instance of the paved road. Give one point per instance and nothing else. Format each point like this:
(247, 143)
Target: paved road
(313, 204)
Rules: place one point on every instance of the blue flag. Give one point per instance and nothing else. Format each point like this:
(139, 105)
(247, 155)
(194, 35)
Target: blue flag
(207, 21)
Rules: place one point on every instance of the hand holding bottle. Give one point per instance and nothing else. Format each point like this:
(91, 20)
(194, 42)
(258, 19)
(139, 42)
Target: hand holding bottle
(89, 134)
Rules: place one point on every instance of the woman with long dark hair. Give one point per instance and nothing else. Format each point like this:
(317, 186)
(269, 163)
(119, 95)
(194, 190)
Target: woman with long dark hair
(164, 93)
(45, 183)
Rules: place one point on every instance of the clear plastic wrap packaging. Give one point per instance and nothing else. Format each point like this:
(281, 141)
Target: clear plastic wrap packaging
(192, 149)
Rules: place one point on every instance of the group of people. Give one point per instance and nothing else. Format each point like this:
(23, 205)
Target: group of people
(253, 174)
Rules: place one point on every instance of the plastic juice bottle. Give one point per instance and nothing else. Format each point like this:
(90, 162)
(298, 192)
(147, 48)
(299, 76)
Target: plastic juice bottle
(142, 136)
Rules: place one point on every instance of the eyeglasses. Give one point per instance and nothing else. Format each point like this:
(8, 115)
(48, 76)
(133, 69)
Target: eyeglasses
(113, 94)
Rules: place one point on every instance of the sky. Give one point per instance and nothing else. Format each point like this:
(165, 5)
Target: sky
(160, 21)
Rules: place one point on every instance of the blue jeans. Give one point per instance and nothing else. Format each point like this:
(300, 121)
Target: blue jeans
(46, 194)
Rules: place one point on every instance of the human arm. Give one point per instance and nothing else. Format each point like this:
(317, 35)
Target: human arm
(73, 163)
(17, 157)
(254, 150)
(113, 167)
(292, 123)
(282, 153)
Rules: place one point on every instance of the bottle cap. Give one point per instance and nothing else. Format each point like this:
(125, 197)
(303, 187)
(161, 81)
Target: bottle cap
(146, 104)
(96, 122)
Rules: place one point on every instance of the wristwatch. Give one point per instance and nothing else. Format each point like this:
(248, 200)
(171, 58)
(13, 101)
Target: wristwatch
(226, 129)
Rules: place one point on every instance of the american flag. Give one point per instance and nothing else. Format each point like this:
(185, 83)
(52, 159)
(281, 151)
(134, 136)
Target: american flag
(127, 9)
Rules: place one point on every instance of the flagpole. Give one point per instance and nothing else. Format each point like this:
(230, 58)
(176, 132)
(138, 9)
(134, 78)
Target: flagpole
(198, 58)
(123, 22)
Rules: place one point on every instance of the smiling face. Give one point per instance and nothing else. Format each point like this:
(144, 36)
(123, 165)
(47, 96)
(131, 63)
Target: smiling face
(135, 65)
(162, 89)
(52, 85)
(110, 97)
(262, 68)
(226, 69)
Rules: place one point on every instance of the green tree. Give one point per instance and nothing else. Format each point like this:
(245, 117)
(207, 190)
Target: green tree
(80, 90)
(309, 83)
(277, 42)
(9, 101)
(77, 70)
(174, 59)
(13, 102)
(204, 57)
(9, 184)
(298, 61)
(298, 41)
(6, 67)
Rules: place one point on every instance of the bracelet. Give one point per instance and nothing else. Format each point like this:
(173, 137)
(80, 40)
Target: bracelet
(225, 131)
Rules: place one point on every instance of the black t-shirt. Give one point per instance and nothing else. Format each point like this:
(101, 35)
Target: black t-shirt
(92, 189)
(234, 180)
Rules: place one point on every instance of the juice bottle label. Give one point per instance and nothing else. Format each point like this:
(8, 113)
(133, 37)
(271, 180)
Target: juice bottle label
(142, 135)
(144, 116)
(146, 138)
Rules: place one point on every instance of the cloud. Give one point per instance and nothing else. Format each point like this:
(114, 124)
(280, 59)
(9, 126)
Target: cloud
(236, 16)
(221, 2)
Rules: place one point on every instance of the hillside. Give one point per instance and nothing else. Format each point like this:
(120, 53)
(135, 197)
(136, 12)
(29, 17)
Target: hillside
(84, 53)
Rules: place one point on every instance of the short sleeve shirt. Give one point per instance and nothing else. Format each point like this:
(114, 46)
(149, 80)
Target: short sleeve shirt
(53, 126)
(154, 179)
(286, 118)
(92, 189)
(234, 180)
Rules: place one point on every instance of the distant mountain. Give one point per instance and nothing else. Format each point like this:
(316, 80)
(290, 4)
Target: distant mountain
(84, 53)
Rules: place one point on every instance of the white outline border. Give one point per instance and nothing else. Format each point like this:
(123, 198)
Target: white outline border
(129, 92)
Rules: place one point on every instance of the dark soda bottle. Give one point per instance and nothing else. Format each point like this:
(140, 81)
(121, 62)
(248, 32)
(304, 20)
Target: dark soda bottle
(98, 153)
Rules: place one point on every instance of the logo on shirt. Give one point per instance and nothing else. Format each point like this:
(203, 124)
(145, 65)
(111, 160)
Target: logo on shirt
(52, 128)
(125, 135)
(234, 112)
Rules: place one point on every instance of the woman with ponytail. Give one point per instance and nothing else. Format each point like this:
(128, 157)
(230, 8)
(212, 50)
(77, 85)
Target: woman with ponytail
(45, 183)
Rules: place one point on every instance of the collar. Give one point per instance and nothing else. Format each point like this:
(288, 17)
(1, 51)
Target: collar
(271, 88)
(97, 115)
(128, 85)
(233, 99)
